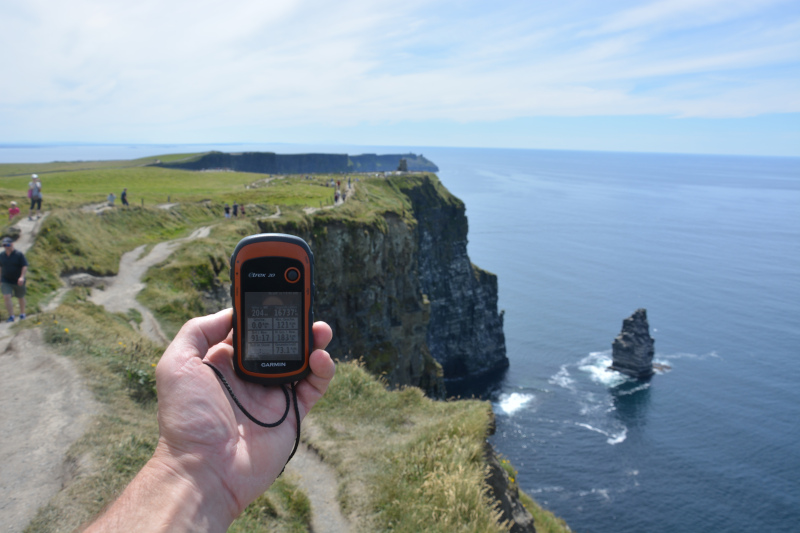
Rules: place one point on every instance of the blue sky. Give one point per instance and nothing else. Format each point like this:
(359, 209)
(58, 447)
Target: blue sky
(695, 76)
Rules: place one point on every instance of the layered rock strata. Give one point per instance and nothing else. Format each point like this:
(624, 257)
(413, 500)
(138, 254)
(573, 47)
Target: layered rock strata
(633, 349)
(466, 331)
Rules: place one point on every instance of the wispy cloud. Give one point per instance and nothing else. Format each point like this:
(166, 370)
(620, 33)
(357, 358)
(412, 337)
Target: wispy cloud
(184, 66)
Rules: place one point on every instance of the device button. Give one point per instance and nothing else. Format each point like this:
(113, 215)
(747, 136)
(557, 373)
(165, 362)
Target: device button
(292, 274)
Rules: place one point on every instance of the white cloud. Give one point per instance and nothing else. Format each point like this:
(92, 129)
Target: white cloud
(175, 66)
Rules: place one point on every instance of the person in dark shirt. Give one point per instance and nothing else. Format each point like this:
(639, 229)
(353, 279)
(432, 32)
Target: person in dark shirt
(124, 196)
(13, 267)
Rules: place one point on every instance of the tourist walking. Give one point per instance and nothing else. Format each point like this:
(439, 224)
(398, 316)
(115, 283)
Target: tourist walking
(111, 198)
(35, 194)
(13, 211)
(124, 196)
(227, 211)
(235, 209)
(13, 267)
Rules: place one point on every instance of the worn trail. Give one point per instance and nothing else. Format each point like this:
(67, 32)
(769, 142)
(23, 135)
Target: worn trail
(121, 290)
(45, 407)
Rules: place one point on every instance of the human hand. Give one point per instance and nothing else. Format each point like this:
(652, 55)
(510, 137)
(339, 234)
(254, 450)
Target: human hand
(211, 461)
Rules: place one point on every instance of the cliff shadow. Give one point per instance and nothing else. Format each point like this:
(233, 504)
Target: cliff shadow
(487, 386)
(632, 402)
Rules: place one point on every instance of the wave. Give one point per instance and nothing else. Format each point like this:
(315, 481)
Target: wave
(601, 492)
(643, 386)
(685, 355)
(511, 403)
(540, 490)
(562, 379)
(613, 438)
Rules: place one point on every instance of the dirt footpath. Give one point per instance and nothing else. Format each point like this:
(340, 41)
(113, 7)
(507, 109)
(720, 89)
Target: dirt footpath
(319, 482)
(121, 290)
(45, 408)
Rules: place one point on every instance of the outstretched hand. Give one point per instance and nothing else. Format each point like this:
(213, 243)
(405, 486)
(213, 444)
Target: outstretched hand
(216, 460)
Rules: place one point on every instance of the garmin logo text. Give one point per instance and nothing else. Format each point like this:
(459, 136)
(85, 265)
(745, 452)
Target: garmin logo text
(256, 275)
(264, 365)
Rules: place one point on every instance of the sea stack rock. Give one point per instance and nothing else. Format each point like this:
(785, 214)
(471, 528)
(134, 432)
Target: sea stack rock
(632, 350)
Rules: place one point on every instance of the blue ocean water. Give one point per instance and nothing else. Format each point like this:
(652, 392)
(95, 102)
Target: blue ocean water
(710, 245)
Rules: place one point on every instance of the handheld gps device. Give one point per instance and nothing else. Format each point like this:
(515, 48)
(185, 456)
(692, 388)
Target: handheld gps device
(272, 290)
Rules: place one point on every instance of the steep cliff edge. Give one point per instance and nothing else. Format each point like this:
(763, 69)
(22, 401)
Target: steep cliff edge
(398, 287)
(466, 331)
(368, 290)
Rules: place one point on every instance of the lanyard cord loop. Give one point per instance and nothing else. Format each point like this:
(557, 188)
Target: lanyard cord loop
(266, 424)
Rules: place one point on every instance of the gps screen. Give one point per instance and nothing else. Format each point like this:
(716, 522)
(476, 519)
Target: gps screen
(273, 326)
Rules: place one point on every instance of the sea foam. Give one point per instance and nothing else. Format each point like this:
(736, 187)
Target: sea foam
(613, 438)
(511, 403)
(597, 364)
(563, 379)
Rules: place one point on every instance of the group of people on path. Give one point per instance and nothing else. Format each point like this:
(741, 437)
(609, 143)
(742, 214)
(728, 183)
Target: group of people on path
(35, 196)
(339, 194)
(237, 209)
(123, 197)
(13, 264)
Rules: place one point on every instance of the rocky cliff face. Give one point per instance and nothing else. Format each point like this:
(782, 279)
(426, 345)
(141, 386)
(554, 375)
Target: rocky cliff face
(401, 292)
(632, 350)
(369, 292)
(466, 331)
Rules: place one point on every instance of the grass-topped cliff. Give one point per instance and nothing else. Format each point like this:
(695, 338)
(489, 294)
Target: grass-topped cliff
(403, 462)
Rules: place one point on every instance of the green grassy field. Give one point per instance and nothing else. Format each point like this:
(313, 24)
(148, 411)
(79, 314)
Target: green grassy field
(405, 463)
(150, 186)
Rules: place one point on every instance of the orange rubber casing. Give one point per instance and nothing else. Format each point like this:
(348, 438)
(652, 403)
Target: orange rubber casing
(267, 245)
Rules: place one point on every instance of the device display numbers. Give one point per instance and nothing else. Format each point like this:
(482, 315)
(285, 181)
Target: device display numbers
(285, 323)
(281, 312)
(273, 325)
(286, 348)
(286, 336)
(260, 336)
(259, 323)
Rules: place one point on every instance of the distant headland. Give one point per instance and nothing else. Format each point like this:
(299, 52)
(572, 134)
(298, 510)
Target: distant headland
(272, 163)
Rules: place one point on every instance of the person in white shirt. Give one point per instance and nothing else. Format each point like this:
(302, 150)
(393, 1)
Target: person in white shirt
(35, 194)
